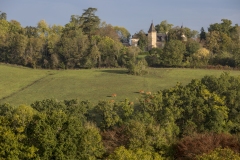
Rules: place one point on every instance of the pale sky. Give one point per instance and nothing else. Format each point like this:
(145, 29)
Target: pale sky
(134, 15)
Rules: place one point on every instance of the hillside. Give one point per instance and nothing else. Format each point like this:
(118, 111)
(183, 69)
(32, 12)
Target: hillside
(19, 85)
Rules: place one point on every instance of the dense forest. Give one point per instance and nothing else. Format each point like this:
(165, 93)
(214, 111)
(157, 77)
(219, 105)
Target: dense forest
(198, 121)
(87, 42)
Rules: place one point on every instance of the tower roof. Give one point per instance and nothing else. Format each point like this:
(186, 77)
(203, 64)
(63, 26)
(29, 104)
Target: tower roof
(152, 28)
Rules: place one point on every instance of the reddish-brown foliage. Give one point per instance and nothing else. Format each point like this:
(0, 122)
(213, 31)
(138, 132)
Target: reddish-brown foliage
(114, 95)
(141, 91)
(148, 93)
(191, 146)
(114, 138)
(131, 103)
(111, 101)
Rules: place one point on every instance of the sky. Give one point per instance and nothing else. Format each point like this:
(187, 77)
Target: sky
(134, 15)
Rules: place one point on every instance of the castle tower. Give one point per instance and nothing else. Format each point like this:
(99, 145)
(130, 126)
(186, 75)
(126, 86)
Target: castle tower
(152, 37)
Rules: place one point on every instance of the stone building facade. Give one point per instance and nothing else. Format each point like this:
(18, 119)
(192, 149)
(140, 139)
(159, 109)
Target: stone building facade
(154, 39)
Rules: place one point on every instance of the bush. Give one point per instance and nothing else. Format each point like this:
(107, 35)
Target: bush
(153, 60)
(223, 59)
(219, 154)
(139, 67)
(191, 146)
(122, 153)
(200, 58)
(143, 53)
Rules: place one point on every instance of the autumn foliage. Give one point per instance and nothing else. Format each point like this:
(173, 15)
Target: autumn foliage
(191, 146)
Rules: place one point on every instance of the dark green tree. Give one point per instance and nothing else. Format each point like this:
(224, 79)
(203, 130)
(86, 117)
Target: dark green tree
(59, 130)
(13, 139)
(191, 47)
(4, 40)
(177, 33)
(224, 27)
(31, 31)
(143, 40)
(173, 53)
(72, 48)
(105, 115)
(89, 21)
(3, 15)
(163, 27)
(202, 34)
(223, 37)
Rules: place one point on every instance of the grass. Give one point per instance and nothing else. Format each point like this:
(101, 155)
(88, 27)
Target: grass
(19, 85)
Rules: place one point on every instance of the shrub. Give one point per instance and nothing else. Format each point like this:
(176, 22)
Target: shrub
(139, 67)
(191, 146)
(219, 154)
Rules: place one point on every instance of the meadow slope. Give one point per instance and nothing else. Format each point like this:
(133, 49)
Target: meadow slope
(19, 85)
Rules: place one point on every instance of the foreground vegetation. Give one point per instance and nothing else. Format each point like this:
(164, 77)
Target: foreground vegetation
(21, 85)
(199, 120)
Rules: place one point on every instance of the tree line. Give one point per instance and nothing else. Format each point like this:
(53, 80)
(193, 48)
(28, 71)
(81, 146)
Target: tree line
(86, 42)
(196, 121)
(220, 46)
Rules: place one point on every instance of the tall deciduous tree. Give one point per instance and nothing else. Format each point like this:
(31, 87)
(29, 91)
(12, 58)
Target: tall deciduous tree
(173, 53)
(13, 140)
(31, 31)
(17, 43)
(224, 27)
(110, 51)
(223, 37)
(191, 47)
(177, 33)
(72, 47)
(218, 41)
(43, 29)
(107, 30)
(123, 34)
(163, 27)
(55, 33)
(143, 40)
(4, 39)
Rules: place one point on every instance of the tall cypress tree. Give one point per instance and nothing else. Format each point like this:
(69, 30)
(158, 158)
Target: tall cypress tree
(202, 34)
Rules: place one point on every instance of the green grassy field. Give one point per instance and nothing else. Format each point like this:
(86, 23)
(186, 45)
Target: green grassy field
(19, 85)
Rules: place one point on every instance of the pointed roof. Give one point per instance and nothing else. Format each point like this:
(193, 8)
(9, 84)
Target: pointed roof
(152, 28)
